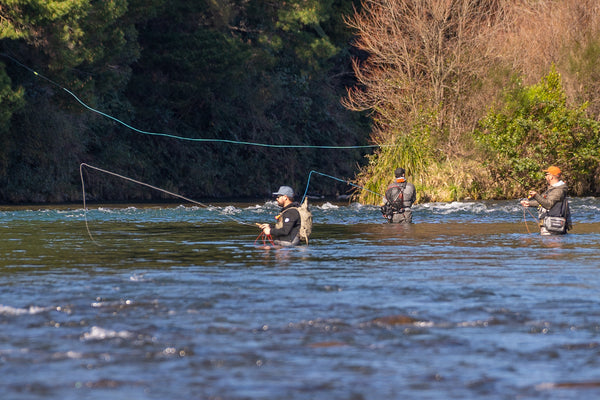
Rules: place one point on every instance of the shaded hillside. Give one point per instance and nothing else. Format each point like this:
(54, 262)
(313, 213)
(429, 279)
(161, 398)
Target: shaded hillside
(252, 71)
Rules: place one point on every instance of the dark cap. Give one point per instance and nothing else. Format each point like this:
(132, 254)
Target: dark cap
(285, 191)
(399, 172)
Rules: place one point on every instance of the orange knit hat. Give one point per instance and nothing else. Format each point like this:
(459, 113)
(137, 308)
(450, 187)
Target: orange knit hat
(553, 171)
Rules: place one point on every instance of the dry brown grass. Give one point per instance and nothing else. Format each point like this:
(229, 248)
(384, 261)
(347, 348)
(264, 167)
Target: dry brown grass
(559, 32)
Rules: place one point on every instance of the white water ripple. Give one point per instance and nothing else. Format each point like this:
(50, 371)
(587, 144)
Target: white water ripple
(97, 333)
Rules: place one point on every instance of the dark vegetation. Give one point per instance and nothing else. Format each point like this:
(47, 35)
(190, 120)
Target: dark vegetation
(473, 97)
(255, 71)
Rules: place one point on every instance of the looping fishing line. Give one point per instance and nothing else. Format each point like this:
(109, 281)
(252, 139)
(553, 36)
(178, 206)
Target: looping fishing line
(139, 183)
(525, 218)
(82, 165)
(282, 146)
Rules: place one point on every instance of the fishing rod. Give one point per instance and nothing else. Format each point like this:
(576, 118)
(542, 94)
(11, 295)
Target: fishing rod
(82, 165)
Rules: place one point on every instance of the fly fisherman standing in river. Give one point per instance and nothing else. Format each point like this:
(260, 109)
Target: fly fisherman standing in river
(399, 198)
(553, 207)
(286, 231)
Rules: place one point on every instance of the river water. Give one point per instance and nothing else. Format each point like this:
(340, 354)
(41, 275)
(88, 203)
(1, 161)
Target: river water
(181, 302)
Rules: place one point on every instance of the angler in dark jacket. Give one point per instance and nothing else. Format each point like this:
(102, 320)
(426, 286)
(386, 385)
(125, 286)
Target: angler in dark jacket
(553, 206)
(286, 230)
(399, 198)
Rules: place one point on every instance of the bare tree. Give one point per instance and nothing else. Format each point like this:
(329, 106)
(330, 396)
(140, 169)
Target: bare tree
(423, 57)
(561, 32)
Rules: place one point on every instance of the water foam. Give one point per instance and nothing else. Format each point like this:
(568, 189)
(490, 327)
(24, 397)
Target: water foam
(97, 333)
(230, 210)
(328, 206)
(14, 311)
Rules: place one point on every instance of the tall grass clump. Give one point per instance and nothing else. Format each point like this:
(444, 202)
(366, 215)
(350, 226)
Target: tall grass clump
(435, 176)
(409, 151)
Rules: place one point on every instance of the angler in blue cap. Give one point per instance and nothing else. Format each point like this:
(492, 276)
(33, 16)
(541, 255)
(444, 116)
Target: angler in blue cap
(286, 230)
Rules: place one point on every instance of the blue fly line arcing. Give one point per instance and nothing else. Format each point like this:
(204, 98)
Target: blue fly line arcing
(183, 137)
(303, 146)
(337, 179)
(205, 139)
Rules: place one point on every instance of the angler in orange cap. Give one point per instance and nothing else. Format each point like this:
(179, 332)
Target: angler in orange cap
(553, 207)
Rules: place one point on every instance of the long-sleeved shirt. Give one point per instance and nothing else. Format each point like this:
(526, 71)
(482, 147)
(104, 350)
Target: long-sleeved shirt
(288, 224)
(553, 195)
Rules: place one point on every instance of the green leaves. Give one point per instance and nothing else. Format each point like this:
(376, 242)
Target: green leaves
(536, 128)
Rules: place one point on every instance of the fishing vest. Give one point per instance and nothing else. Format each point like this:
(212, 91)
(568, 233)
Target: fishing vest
(394, 195)
(558, 218)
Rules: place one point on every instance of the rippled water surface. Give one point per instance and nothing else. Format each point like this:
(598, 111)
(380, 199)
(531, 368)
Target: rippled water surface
(174, 302)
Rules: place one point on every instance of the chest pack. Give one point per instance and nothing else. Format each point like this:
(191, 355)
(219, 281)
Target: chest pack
(558, 218)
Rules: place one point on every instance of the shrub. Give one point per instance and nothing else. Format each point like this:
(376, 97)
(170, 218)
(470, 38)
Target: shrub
(535, 128)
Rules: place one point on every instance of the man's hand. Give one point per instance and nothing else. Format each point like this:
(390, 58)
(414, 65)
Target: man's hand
(266, 228)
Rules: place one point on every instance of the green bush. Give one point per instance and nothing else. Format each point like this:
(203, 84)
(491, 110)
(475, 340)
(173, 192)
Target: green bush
(535, 128)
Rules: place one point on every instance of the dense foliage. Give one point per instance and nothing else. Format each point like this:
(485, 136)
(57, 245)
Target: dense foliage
(253, 71)
(432, 76)
(534, 129)
(436, 67)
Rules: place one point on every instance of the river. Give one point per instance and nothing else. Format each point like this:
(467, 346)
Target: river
(182, 302)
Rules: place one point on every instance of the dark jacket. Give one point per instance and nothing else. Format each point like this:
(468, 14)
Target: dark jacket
(550, 200)
(288, 224)
(550, 197)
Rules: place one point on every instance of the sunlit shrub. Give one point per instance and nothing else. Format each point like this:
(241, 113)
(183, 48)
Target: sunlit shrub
(535, 128)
